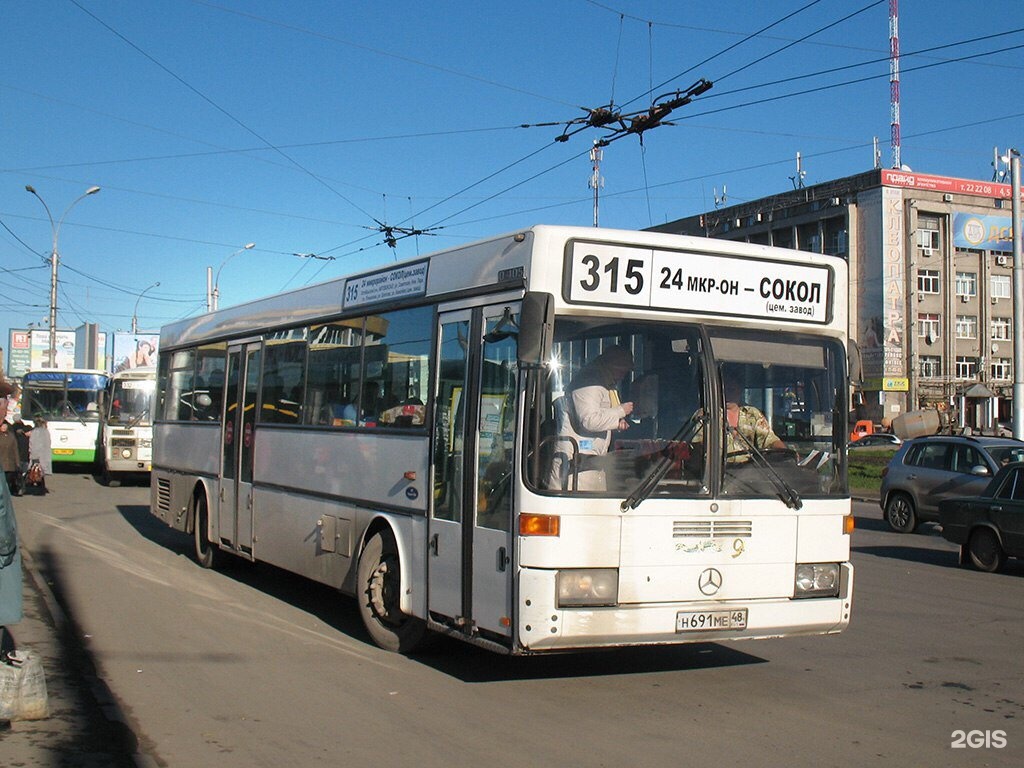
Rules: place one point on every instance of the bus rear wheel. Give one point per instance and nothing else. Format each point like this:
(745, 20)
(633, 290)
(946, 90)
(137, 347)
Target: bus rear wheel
(206, 551)
(379, 588)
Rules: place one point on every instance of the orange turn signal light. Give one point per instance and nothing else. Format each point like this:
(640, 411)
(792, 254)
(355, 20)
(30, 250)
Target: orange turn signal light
(538, 525)
(848, 524)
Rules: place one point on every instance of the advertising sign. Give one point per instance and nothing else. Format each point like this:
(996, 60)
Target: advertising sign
(135, 350)
(990, 233)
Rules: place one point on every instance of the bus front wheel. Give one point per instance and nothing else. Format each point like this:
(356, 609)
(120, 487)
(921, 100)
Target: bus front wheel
(378, 594)
(206, 551)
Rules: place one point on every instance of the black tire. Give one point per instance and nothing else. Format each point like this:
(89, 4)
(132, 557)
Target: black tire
(378, 594)
(206, 550)
(900, 513)
(984, 551)
(107, 478)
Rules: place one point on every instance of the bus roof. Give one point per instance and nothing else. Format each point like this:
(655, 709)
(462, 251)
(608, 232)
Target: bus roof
(506, 261)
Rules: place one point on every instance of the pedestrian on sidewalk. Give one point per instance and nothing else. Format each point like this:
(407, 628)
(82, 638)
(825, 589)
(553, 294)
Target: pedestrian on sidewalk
(10, 461)
(10, 577)
(10, 570)
(39, 450)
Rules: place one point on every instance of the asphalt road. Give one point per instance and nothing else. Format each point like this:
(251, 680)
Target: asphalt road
(250, 666)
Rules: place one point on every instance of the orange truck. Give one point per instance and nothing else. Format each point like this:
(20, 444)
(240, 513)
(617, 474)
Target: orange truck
(861, 428)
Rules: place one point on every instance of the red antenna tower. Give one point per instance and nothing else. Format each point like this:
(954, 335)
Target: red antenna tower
(894, 79)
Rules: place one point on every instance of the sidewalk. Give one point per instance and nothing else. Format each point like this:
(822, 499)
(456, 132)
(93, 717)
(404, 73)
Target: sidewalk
(86, 728)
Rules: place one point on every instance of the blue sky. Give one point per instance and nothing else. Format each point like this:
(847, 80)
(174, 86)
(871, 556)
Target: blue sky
(304, 126)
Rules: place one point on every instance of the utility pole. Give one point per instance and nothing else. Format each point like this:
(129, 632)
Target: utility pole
(1018, 300)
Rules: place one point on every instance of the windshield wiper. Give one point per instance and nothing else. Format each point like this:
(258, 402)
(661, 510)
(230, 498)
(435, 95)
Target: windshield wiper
(138, 418)
(661, 467)
(787, 492)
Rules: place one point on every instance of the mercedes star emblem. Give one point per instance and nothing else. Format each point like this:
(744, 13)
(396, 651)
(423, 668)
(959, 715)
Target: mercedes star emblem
(710, 581)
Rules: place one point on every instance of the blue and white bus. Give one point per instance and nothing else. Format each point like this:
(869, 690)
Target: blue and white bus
(73, 403)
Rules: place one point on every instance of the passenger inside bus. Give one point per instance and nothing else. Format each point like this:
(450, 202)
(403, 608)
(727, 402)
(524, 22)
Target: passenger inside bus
(746, 425)
(746, 428)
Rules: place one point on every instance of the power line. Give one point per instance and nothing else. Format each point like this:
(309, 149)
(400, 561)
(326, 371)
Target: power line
(216, 106)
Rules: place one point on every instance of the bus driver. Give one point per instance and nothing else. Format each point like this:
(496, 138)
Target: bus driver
(592, 410)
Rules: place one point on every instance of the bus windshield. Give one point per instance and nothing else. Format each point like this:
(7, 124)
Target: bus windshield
(60, 397)
(646, 410)
(131, 401)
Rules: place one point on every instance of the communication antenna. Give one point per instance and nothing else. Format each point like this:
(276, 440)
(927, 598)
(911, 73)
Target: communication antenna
(999, 170)
(596, 179)
(876, 153)
(798, 179)
(719, 201)
(894, 79)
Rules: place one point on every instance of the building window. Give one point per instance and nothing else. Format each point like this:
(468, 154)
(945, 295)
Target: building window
(928, 234)
(835, 236)
(1001, 329)
(966, 367)
(928, 326)
(1002, 368)
(783, 238)
(928, 280)
(1000, 285)
(809, 238)
(930, 366)
(966, 326)
(967, 284)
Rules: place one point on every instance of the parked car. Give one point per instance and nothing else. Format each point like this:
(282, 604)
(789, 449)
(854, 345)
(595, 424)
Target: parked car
(989, 527)
(877, 440)
(927, 470)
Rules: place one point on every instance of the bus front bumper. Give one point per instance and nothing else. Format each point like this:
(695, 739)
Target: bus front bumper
(544, 626)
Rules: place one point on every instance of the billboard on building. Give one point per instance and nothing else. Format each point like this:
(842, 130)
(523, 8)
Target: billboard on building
(135, 350)
(881, 283)
(29, 350)
(989, 233)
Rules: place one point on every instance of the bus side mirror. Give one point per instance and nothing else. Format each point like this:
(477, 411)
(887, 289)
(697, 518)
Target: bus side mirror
(853, 363)
(536, 328)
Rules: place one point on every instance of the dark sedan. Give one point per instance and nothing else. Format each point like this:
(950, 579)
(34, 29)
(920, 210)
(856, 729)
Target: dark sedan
(990, 527)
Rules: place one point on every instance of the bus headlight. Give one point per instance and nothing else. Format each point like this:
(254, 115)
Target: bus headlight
(126, 453)
(817, 580)
(588, 587)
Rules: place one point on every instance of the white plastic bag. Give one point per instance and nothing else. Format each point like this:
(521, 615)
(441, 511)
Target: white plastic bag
(23, 687)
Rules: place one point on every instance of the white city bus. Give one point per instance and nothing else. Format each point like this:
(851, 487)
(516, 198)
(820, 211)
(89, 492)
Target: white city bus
(72, 402)
(128, 424)
(402, 434)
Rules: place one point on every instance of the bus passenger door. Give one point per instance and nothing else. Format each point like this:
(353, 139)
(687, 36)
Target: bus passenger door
(444, 556)
(470, 556)
(235, 512)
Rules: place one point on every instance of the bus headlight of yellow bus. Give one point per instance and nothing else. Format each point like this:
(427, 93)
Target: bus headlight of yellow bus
(817, 580)
(588, 587)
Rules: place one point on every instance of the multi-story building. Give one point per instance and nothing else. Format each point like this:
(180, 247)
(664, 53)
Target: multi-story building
(931, 301)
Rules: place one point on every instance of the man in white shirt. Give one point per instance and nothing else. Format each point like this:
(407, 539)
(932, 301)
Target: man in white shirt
(592, 411)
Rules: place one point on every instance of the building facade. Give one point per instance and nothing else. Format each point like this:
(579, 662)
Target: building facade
(931, 298)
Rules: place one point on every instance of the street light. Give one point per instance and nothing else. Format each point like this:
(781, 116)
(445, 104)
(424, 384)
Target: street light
(135, 319)
(212, 304)
(54, 258)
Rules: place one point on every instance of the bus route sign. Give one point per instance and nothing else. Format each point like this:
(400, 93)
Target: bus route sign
(405, 281)
(697, 282)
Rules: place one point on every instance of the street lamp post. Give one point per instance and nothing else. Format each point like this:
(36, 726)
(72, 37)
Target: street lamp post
(54, 258)
(135, 312)
(214, 303)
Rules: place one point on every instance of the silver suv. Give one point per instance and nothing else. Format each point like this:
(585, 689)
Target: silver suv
(927, 470)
